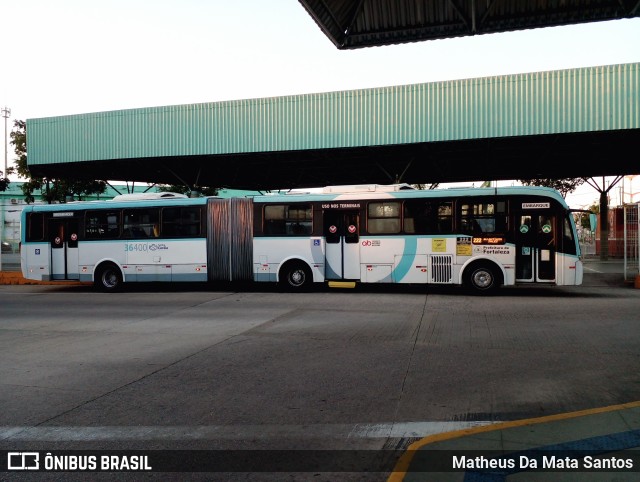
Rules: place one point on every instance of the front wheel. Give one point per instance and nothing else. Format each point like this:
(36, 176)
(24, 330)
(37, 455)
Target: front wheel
(482, 278)
(296, 276)
(108, 278)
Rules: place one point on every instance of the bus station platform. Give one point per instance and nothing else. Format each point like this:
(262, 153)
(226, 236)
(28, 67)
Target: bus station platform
(590, 445)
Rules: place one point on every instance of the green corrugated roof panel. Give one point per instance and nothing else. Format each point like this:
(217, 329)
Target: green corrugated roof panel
(562, 101)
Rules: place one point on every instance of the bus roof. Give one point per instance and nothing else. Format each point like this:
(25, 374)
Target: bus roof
(418, 193)
(132, 202)
(352, 194)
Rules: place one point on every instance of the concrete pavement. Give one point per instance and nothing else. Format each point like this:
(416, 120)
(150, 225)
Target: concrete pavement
(588, 445)
(185, 367)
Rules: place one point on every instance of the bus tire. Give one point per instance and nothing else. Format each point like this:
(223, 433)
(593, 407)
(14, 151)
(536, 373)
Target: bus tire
(482, 278)
(295, 276)
(108, 278)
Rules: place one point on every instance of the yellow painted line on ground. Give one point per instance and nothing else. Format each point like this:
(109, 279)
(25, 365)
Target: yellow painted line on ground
(402, 466)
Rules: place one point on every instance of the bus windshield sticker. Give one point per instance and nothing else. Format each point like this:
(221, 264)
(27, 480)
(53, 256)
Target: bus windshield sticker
(439, 245)
(463, 246)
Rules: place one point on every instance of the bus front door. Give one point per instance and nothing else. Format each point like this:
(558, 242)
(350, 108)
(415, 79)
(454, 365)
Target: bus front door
(341, 231)
(535, 247)
(63, 236)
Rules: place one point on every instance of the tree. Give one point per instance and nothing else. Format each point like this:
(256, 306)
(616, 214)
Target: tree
(563, 186)
(604, 212)
(433, 185)
(585, 219)
(50, 189)
(189, 190)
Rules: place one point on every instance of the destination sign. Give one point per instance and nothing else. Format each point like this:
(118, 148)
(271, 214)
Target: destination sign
(536, 205)
(488, 240)
(341, 205)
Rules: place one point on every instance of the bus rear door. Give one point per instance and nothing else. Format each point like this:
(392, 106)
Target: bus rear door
(535, 246)
(63, 237)
(341, 231)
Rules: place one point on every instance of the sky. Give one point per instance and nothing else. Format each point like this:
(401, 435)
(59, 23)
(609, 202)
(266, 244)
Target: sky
(76, 56)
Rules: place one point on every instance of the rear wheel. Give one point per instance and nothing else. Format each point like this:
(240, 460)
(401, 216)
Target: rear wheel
(108, 278)
(482, 278)
(296, 276)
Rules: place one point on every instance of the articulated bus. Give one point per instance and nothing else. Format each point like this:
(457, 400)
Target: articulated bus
(482, 238)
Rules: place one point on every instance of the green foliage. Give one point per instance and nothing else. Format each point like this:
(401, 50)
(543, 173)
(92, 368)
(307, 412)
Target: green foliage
(584, 218)
(563, 186)
(422, 187)
(19, 142)
(182, 189)
(50, 189)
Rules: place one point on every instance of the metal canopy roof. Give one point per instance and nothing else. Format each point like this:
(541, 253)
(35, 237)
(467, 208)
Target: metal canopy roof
(605, 153)
(351, 24)
(556, 124)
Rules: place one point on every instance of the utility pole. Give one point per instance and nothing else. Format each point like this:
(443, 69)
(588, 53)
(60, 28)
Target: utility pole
(6, 112)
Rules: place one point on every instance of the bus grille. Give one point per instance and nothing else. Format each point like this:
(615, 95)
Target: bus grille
(441, 268)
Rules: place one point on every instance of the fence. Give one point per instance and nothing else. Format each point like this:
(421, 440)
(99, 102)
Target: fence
(631, 241)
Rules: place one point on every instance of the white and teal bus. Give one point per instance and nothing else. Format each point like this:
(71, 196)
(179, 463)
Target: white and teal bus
(482, 238)
(148, 237)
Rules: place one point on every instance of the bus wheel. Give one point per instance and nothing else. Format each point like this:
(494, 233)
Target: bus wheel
(296, 276)
(108, 278)
(482, 278)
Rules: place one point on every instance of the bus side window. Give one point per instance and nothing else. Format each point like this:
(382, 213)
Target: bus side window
(285, 219)
(383, 217)
(170, 218)
(423, 216)
(299, 219)
(139, 223)
(274, 219)
(568, 241)
(35, 227)
(445, 218)
(418, 217)
(102, 224)
(482, 217)
(183, 222)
